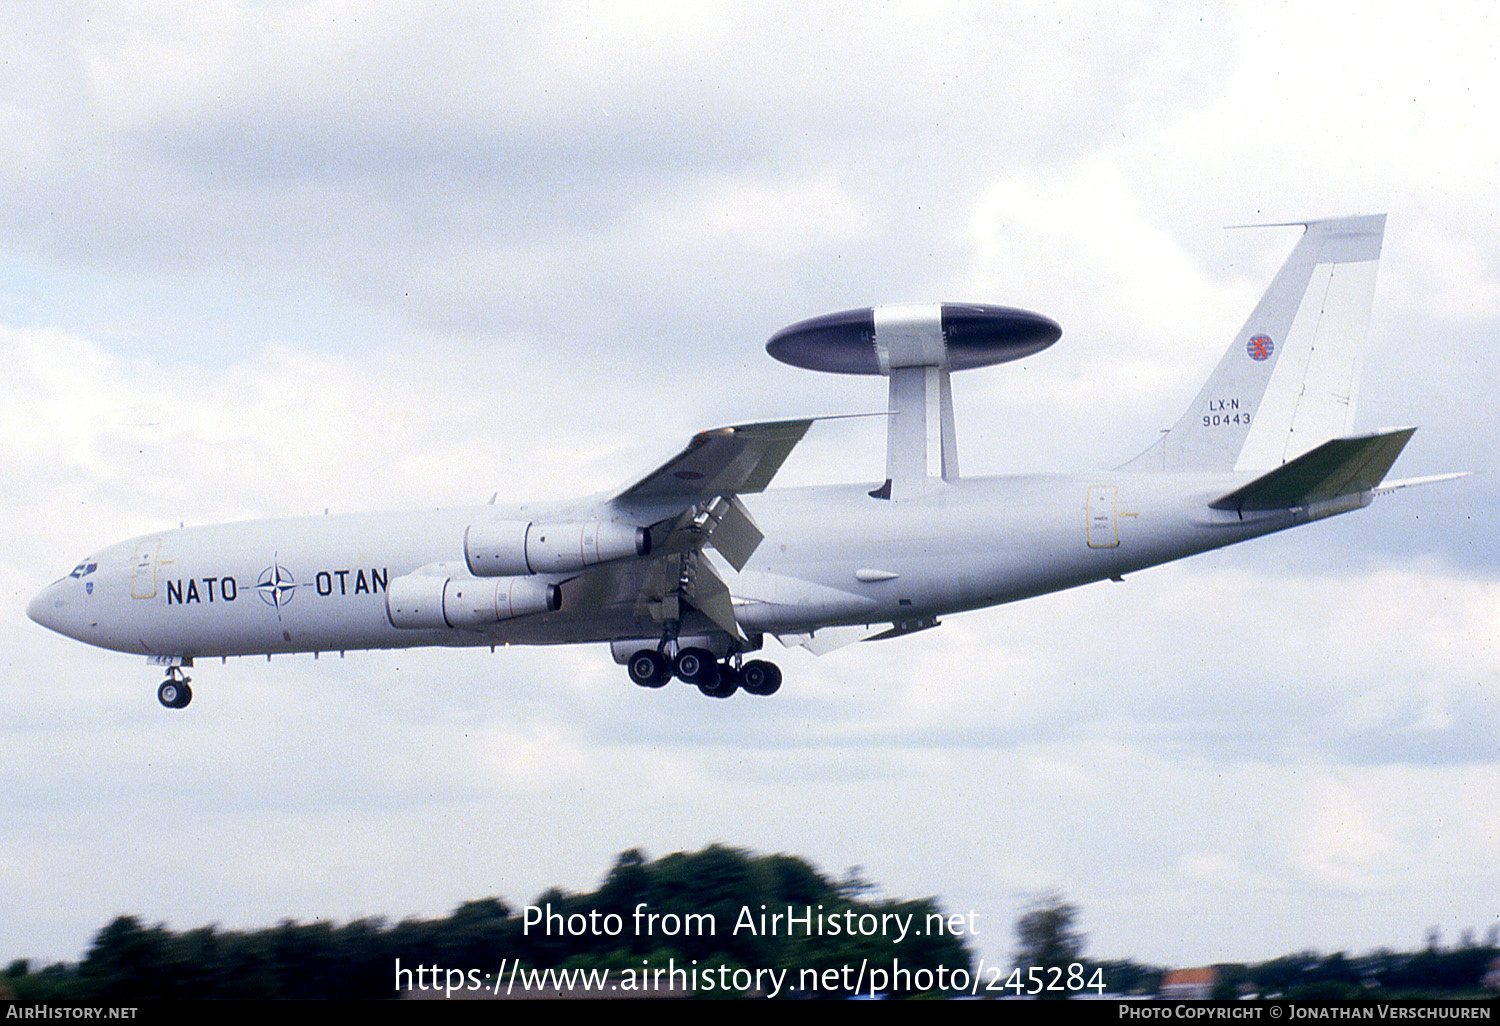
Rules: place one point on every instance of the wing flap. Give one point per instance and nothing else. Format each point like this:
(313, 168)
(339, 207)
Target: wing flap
(679, 572)
(710, 595)
(1338, 468)
(829, 639)
(735, 534)
(695, 496)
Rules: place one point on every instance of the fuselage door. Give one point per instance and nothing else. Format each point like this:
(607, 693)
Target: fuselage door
(1103, 532)
(143, 575)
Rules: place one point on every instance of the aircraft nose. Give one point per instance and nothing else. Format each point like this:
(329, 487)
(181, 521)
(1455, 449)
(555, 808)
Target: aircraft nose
(47, 609)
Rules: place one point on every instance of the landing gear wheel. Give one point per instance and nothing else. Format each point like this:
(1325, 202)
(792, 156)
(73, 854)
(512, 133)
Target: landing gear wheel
(649, 668)
(174, 694)
(727, 684)
(759, 677)
(697, 666)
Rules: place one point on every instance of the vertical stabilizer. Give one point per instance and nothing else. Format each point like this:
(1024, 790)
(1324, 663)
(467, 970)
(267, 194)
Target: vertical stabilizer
(1289, 380)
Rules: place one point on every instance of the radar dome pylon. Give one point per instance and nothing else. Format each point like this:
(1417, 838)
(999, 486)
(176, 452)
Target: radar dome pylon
(916, 347)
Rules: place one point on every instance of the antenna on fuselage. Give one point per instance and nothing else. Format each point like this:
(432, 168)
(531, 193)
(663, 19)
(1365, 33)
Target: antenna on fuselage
(916, 347)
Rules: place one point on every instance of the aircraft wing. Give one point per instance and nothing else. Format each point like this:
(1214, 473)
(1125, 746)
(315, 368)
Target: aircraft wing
(692, 501)
(723, 461)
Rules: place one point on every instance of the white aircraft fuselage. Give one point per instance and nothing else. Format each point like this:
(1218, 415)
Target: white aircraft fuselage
(692, 566)
(212, 591)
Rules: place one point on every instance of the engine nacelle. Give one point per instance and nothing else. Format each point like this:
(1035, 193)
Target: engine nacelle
(427, 601)
(509, 548)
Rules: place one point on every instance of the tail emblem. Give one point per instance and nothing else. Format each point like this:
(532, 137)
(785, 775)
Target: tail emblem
(1260, 347)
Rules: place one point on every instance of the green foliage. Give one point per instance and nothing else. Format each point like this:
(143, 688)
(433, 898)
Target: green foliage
(1231, 976)
(57, 982)
(1122, 976)
(1047, 940)
(1046, 936)
(129, 961)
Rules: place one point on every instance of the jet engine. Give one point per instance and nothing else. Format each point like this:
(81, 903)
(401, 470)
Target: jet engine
(508, 548)
(423, 600)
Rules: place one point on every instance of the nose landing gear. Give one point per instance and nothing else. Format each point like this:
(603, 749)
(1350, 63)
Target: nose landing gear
(174, 692)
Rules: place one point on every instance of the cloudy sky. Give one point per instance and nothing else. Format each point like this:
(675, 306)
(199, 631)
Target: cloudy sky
(270, 258)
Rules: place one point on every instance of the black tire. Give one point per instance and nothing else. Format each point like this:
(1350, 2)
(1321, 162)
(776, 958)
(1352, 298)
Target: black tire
(649, 668)
(759, 677)
(697, 666)
(174, 694)
(727, 684)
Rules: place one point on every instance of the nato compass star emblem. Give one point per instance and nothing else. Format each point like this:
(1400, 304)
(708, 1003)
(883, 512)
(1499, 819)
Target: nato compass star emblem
(276, 586)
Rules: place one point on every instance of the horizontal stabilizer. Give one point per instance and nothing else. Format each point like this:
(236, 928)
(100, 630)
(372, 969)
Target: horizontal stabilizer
(1413, 482)
(1337, 468)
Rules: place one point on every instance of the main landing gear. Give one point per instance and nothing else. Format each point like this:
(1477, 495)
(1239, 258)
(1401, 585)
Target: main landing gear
(174, 692)
(697, 666)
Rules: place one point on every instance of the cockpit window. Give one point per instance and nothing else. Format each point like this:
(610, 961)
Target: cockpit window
(84, 569)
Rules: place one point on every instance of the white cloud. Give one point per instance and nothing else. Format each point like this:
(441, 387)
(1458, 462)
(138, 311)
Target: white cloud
(774, 219)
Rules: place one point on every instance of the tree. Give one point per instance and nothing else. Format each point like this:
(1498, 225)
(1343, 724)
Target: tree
(125, 960)
(1046, 935)
(854, 886)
